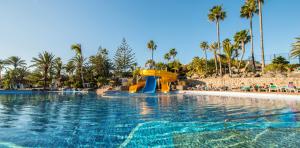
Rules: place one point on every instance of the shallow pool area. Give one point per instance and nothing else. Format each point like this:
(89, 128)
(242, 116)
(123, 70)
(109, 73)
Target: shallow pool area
(119, 119)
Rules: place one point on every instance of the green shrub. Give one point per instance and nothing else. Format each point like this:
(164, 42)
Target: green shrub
(276, 68)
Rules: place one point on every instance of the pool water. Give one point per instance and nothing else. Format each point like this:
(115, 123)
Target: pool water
(146, 120)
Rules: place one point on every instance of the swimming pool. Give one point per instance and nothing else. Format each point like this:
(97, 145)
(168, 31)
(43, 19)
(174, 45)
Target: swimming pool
(140, 120)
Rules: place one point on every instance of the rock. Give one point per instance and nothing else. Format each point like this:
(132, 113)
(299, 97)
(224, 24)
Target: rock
(268, 75)
(280, 75)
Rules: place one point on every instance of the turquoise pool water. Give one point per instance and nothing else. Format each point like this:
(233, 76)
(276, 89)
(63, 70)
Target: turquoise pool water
(138, 120)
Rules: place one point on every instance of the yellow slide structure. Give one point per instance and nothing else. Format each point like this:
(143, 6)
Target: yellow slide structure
(165, 78)
(136, 87)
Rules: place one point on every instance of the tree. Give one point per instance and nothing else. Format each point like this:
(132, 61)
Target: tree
(124, 58)
(160, 66)
(204, 46)
(247, 11)
(151, 46)
(260, 3)
(2, 64)
(70, 68)
(58, 66)
(242, 38)
(101, 66)
(173, 53)
(295, 52)
(280, 60)
(167, 57)
(44, 61)
(213, 47)
(15, 62)
(228, 50)
(149, 63)
(216, 14)
(79, 59)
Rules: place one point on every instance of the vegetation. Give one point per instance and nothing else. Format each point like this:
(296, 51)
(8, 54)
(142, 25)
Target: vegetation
(296, 48)
(204, 46)
(44, 62)
(241, 38)
(228, 50)
(124, 59)
(216, 14)
(99, 69)
(152, 47)
(279, 64)
(247, 11)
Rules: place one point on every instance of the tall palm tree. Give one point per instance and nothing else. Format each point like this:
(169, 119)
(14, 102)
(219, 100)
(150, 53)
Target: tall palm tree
(213, 47)
(247, 11)
(45, 62)
(241, 38)
(216, 14)
(228, 50)
(151, 46)
(79, 57)
(204, 46)
(173, 53)
(260, 3)
(15, 61)
(295, 52)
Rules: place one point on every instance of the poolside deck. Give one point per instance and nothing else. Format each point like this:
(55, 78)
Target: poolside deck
(260, 95)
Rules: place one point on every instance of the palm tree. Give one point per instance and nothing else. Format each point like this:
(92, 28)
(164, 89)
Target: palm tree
(151, 46)
(58, 66)
(213, 47)
(204, 46)
(15, 61)
(2, 63)
(173, 53)
(167, 57)
(216, 14)
(247, 11)
(260, 3)
(295, 52)
(70, 68)
(241, 38)
(228, 50)
(150, 63)
(45, 62)
(79, 57)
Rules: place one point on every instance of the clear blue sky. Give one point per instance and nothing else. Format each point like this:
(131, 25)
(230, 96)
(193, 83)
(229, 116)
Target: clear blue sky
(28, 27)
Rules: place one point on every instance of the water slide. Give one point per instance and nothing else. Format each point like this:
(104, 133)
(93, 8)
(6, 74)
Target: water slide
(150, 86)
(136, 87)
(164, 77)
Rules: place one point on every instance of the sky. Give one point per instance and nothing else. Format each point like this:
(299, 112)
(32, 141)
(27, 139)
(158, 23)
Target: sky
(28, 27)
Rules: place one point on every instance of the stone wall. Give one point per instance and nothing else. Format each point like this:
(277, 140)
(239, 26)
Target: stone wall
(237, 82)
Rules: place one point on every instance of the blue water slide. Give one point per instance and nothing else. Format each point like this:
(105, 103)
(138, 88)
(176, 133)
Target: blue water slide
(150, 86)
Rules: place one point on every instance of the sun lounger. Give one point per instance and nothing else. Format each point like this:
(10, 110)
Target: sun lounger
(273, 88)
(245, 88)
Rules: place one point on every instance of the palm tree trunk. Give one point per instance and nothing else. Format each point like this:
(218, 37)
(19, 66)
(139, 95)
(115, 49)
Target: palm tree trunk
(229, 67)
(252, 48)
(216, 63)
(205, 60)
(261, 36)
(243, 53)
(152, 64)
(45, 77)
(219, 46)
(81, 71)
